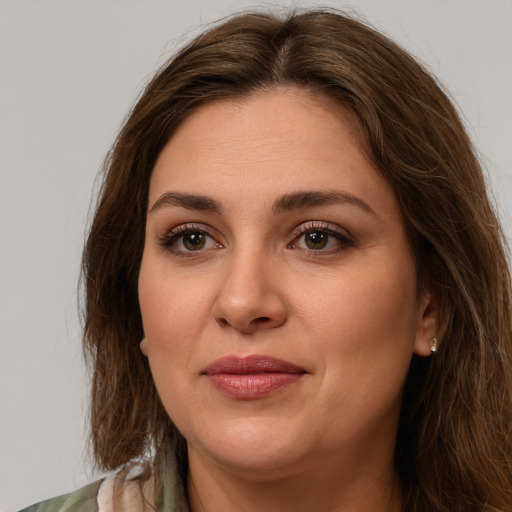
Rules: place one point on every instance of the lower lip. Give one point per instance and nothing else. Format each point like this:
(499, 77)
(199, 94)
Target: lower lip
(251, 386)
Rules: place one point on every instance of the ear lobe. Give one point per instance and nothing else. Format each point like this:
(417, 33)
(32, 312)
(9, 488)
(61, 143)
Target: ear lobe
(427, 328)
(144, 346)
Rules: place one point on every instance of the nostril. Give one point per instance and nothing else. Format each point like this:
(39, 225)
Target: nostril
(260, 320)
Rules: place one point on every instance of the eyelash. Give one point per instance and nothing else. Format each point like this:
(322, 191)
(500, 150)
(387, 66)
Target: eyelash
(172, 237)
(344, 239)
(175, 235)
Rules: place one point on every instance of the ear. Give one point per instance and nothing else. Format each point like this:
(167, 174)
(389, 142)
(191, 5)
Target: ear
(428, 326)
(144, 346)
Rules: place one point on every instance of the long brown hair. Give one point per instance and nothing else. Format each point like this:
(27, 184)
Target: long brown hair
(454, 444)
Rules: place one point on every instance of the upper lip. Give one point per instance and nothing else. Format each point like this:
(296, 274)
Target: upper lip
(251, 364)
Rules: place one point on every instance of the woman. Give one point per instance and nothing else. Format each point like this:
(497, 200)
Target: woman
(297, 296)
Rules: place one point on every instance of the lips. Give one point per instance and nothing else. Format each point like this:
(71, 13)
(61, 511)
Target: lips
(253, 377)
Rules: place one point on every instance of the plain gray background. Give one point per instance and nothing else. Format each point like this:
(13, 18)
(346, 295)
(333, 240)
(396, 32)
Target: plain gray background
(69, 72)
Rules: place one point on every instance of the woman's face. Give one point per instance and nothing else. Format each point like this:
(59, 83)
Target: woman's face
(277, 288)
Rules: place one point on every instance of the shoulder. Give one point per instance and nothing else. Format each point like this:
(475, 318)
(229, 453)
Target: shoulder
(83, 500)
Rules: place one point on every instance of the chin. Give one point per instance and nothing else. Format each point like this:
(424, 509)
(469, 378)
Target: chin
(251, 447)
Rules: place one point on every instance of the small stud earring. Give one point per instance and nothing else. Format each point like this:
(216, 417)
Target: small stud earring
(433, 345)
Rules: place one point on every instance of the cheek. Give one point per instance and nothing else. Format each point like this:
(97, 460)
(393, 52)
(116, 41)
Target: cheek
(174, 310)
(364, 325)
(366, 340)
(174, 313)
(362, 310)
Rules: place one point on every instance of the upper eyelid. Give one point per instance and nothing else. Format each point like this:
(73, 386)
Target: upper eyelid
(192, 226)
(296, 232)
(321, 225)
(172, 233)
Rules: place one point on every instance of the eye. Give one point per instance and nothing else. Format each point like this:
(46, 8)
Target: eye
(195, 241)
(320, 236)
(188, 239)
(316, 239)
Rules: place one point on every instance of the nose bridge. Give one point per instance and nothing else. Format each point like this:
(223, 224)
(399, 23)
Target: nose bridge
(249, 296)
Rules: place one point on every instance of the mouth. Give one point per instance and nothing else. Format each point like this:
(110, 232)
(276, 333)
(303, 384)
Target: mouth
(253, 377)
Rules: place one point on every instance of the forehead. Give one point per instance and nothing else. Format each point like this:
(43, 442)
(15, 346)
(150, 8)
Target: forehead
(281, 139)
(263, 114)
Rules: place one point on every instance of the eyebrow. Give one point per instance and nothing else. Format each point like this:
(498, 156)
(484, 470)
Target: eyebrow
(188, 201)
(286, 203)
(308, 199)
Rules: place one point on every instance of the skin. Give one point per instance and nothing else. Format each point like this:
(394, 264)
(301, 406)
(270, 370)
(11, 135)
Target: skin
(347, 313)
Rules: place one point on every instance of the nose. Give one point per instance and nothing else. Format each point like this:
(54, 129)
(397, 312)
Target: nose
(250, 298)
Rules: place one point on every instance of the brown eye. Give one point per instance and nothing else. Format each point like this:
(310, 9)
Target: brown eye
(321, 238)
(316, 240)
(184, 240)
(194, 241)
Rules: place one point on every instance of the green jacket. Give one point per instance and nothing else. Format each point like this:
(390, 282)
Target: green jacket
(83, 500)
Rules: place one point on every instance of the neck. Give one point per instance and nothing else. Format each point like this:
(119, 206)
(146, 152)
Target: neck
(324, 487)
